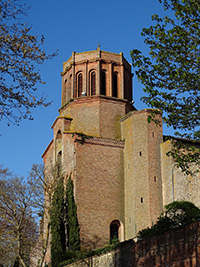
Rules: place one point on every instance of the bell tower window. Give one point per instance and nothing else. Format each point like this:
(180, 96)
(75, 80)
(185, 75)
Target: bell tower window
(115, 85)
(80, 84)
(93, 83)
(103, 83)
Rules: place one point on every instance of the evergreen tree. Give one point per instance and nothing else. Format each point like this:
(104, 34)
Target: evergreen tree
(58, 237)
(16, 263)
(73, 226)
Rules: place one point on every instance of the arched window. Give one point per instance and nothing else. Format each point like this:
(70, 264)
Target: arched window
(65, 84)
(58, 146)
(103, 83)
(115, 85)
(59, 135)
(80, 84)
(93, 83)
(114, 229)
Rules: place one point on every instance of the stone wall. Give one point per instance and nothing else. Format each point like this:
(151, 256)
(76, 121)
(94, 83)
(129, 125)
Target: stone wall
(142, 182)
(177, 185)
(180, 247)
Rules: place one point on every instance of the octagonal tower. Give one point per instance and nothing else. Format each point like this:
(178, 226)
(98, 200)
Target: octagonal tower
(96, 73)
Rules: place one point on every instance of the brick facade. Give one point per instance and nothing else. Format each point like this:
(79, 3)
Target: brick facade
(117, 159)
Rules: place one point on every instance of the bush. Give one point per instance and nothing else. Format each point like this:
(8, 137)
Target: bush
(176, 214)
(73, 256)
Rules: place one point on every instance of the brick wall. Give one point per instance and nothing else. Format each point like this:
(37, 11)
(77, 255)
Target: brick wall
(97, 115)
(99, 189)
(178, 248)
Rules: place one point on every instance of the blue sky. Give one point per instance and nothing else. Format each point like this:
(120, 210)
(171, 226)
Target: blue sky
(72, 26)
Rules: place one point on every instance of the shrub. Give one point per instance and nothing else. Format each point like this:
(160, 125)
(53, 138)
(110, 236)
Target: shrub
(176, 214)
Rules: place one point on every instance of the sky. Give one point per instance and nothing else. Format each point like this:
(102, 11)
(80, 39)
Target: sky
(72, 26)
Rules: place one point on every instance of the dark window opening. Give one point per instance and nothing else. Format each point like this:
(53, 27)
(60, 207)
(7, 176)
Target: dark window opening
(140, 153)
(103, 83)
(115, 85)
(142, 200)
(93, 83)
(114, 230)
(59, 135)
(59, 158)
(80, 84)
(155, 178)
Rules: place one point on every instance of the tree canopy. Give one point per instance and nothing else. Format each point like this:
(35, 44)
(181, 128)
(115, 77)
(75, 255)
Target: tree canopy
(176, 214)
(20, 54)
(170, 75)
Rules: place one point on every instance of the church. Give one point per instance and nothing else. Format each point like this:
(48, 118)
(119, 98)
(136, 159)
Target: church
(117, 159)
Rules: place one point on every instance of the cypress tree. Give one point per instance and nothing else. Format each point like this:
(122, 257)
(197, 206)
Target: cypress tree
(73, 226)
(58, 237)
(16, 263)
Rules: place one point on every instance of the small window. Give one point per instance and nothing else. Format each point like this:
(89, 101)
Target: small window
(153, 134)
(142, 200)
(115, 85)
(59, 135)
(103, 83)
(59, 157)
(140, 153)
(93, 83)
(155, 178)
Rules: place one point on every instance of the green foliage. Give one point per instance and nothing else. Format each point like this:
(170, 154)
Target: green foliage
(21, 52)
(186, 154)
(72, 224)
(171, 73)
(16, 263)
(182, 212)
(58, 241)
(176, 214)
(78, 255)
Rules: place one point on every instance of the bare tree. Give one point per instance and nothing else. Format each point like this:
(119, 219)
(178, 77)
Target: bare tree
(22, 203)
(47, 181)
(18, 228)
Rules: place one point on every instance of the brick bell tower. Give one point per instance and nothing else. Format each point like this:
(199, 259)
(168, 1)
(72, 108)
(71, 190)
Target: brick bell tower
(90, 82)
(103, 143)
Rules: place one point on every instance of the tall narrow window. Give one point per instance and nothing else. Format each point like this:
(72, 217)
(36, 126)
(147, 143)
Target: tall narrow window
(114, 229)
(115, 85)
(93, 83)
(59, 157)
(80, 84)
(58, 147)
(103, 83)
